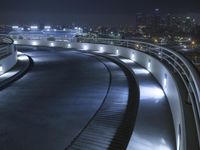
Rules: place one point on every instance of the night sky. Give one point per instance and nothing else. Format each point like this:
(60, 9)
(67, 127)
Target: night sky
(89, 11)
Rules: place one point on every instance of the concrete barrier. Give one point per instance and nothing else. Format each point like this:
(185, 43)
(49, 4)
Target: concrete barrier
(158, 69)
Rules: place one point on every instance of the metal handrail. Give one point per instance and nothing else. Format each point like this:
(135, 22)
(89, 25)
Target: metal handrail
(6, 40)
(5, 44)
(179, 63)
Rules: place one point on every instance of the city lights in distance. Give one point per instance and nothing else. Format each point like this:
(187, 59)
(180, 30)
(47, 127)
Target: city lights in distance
(15, 27)
(193, 42)
(34, 27)
(155, 40)
(47, 27)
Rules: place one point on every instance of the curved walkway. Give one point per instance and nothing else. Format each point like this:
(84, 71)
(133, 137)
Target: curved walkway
(51, 105)
(154, 128)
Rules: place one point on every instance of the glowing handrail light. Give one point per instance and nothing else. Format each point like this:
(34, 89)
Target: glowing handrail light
(117, 52)
(133, 56)
(15, 42)
(165, 80)
(34, 43)
(85, 47)
(52, 44)
(149, 64)
(101, 49)
(1, 69)
(69, 46)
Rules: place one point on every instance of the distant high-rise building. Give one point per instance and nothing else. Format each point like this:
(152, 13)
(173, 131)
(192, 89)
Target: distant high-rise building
(140, 19)
(156, 17)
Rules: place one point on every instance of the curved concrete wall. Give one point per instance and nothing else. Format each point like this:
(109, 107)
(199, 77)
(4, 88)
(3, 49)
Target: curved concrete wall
(9, 61)
(158, 70)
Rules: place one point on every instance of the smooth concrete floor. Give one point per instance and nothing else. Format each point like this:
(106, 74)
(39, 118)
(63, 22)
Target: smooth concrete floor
(154, 128)
(48, 107)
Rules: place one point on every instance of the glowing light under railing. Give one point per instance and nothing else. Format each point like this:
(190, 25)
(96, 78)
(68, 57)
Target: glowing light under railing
(52, 44)
(165, 80)
(85, 47)
(34, 43)
(117, 52)
(15, 42)
(101, 49)
(149, 64)
(1, 69)
(133, 56)
(69, 46)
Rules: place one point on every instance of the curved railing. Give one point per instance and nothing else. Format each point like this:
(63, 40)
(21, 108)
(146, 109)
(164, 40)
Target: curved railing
(5, 44)
(5, 40)
(179, 63)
